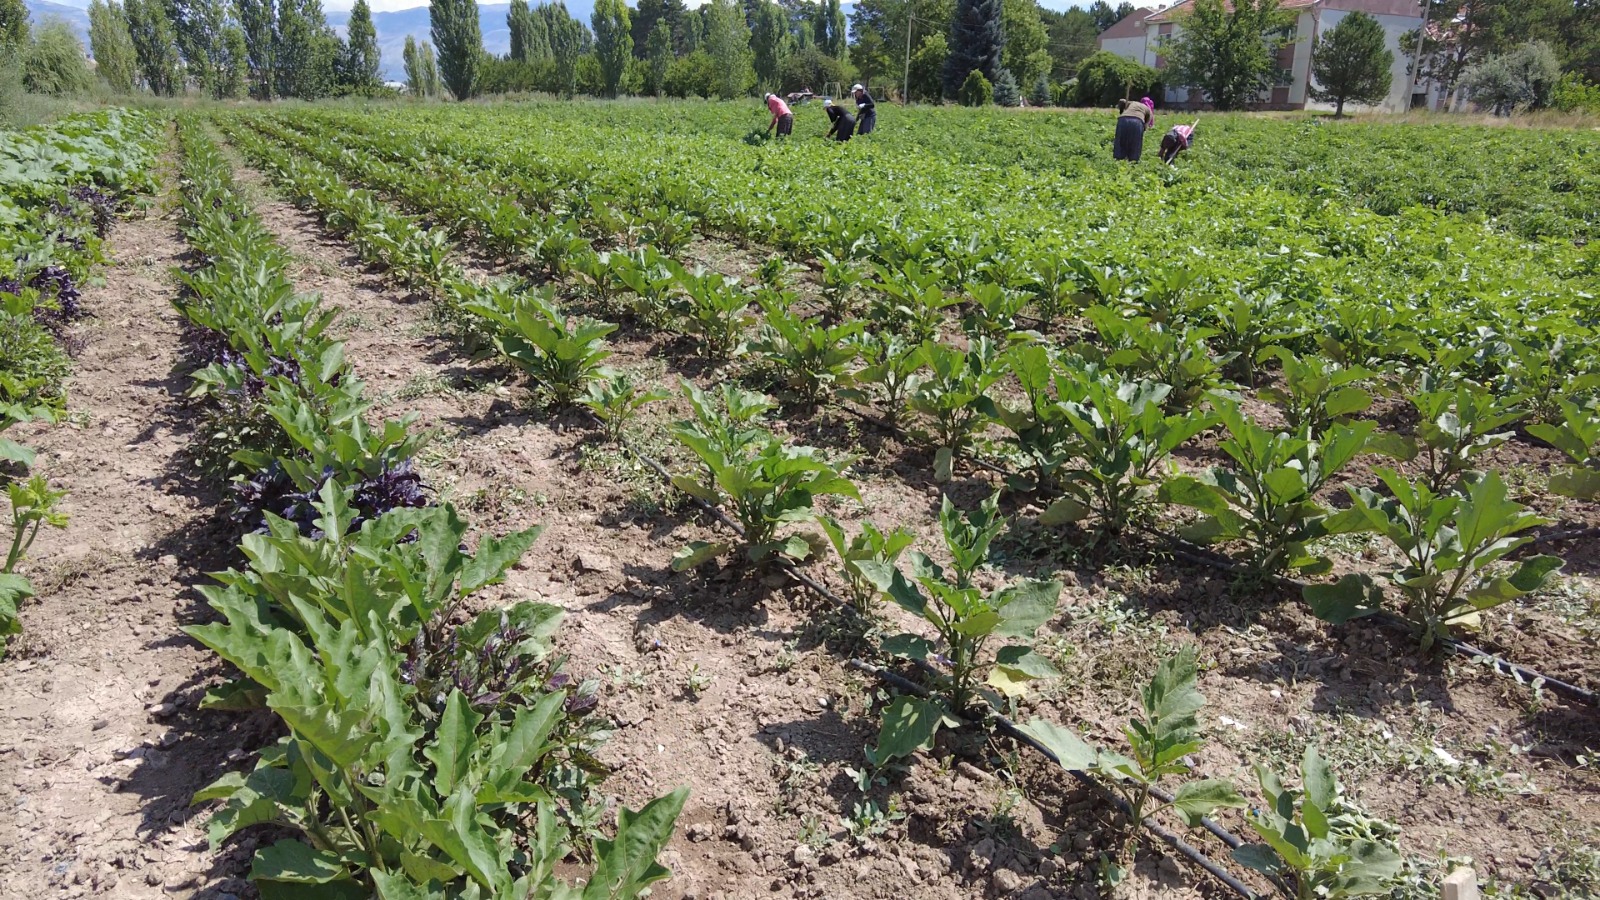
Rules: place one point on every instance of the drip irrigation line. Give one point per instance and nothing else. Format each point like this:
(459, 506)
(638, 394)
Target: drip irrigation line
(1011, 730)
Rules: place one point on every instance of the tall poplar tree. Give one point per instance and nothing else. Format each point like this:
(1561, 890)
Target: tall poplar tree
(258, 19)
(613, 42)
(198, 25)
(13, 23)
(305, 52)
(728, 42)
(111, 45)
(567, 40)
(422, 77)
(658, 51)
(770, 44)
(362, 57)
(519, 21)
(154, 46)
(458, 40)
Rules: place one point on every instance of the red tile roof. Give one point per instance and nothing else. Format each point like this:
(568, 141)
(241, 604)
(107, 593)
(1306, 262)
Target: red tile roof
(1173, 12)
(1129, 26)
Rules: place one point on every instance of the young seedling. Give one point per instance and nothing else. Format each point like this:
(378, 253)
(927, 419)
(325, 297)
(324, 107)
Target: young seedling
(868, 545)
(953, 398)
(1576, 434)
(559, 354)
(811, 359)
(1316, 391)
(616, 398)
(1159, 744)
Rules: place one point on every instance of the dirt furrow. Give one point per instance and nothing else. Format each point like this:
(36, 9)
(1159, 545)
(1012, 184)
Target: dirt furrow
(102, 750)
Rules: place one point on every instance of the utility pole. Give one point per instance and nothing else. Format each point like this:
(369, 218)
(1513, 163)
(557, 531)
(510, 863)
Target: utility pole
(1422, 46)
(905, 89)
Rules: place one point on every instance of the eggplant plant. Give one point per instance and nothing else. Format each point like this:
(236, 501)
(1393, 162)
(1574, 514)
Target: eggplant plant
(1452, 545)
(1455, 428)
(1576, 433)
(714, 309)
(763, 482)
(33, 506)
(615, 398)
(965, 618)
(1267, 498)
(559, 354)
(1159, 746)
(912, 301)
(646, 275)
(1248, 325)
(840, 278)
(953, 397)
(1303, 843)
(1138, 347)
(385, 793)
(1316, 391)
(994, 310)
(868, 545)
(811, 359)
(891, 367)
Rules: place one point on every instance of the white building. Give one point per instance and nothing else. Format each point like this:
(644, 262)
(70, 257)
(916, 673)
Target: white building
(1141, 40)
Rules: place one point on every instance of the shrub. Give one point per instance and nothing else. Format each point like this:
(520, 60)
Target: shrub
(976, 90)
(1524, 78)
(1105, 78)
(1006, 92)
(1575, 94)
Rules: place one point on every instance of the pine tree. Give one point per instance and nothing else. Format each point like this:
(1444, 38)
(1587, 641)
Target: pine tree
(458, 40)
(728, 41)
(977, 40)
(770, 43)
(976, 90)
(111, 45)
(645, 15)
(1351, 63)
(362, 57)
(613, 42)
(1006, 92)
(306, 51)
(13, 23)
(658, 51)
(259, 21)
(1041, 95)
(154, 46)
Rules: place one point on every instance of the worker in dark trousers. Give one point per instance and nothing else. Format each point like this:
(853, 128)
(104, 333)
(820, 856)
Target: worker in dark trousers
(1133, 117)
(844, 124)
(782, 118)
(866, 110)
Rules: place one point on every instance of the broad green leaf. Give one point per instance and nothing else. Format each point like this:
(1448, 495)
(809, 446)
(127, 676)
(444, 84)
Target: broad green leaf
(1196, 799)
(909, 646)
(697, 553)
(909, 724)
(1069, 749)
(1260, 857)
(296, 861)
(451, 752)
(627, 862)
(1351, 597)
(1026, 606)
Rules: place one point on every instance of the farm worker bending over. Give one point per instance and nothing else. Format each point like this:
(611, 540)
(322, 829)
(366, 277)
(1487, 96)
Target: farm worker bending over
(866, 110)
(782, 118)
(1133, 117)
(844, 124)
(1176, 141)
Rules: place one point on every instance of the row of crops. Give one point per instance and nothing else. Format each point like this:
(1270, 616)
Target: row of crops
(60, 187)
(421, 758)
(1082, 382)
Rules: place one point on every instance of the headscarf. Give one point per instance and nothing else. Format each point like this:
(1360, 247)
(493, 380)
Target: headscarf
(1149, 104)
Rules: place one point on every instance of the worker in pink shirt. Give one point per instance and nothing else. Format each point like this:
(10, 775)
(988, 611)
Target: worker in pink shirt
(782, 118)
(1176, 141)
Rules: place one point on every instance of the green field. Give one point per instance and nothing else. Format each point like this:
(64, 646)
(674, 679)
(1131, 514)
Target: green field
(1308, 422)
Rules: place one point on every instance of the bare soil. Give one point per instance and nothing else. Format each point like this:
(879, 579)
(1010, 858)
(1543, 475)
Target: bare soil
(103, 748)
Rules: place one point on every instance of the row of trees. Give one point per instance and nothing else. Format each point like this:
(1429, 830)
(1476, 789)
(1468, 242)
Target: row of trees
(233, 48)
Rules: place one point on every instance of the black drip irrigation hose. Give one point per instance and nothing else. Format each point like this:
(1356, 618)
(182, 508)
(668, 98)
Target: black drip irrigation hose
(1003, 724)
(1185, 550)
(1011, 730)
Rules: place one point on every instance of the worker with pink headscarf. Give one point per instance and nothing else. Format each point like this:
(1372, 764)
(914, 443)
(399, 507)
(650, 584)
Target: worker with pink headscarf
(1133, 118)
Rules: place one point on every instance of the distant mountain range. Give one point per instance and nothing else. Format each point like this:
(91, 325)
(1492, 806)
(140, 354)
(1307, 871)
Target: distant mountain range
(76, 16)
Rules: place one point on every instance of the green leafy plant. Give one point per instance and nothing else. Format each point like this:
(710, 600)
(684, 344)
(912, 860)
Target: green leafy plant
(1316, 392)
(715, 309)
(615, 398)
(33, 506)
(965, 620)
(868, 545)
(891, 367)
(1452, 545)
(561, 355)
(1304, 844)
(1169, 354)
(1267, 498)
(912, 301)
(1159, 744)
(1455, 428)
(1576, 434)
(953, 396)
(812, 359)
(763, 482)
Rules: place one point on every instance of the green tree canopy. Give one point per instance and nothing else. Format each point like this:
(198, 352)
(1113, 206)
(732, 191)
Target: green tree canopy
(613, 42)
(1351, 63)
(154, 46)
(977, 42)
(362, 57)
(1230, 55)
(54, 63)
(728, 42)
(458, 41)
(112, 45)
